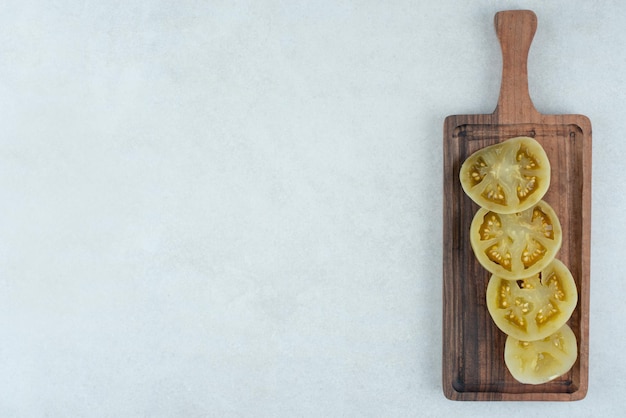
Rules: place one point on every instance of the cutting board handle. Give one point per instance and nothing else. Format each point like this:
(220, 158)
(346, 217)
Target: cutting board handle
(515, 30)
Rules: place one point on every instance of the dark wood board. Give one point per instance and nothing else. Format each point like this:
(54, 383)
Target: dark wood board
(473, 347)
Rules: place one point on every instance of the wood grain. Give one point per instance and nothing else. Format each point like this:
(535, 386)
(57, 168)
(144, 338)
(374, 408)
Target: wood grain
(473, 347)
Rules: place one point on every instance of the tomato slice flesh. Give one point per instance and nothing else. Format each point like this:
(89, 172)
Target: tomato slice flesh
(537, 362)
(516, 245)
(535, 307)
(507, 177)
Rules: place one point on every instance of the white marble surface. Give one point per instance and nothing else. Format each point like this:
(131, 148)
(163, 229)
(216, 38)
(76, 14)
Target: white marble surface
(234, 208)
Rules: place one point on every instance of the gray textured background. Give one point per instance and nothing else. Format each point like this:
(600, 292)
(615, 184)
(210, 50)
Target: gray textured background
(234, 208)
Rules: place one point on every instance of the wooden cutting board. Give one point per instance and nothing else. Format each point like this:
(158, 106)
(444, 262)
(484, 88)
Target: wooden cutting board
(473, 347)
